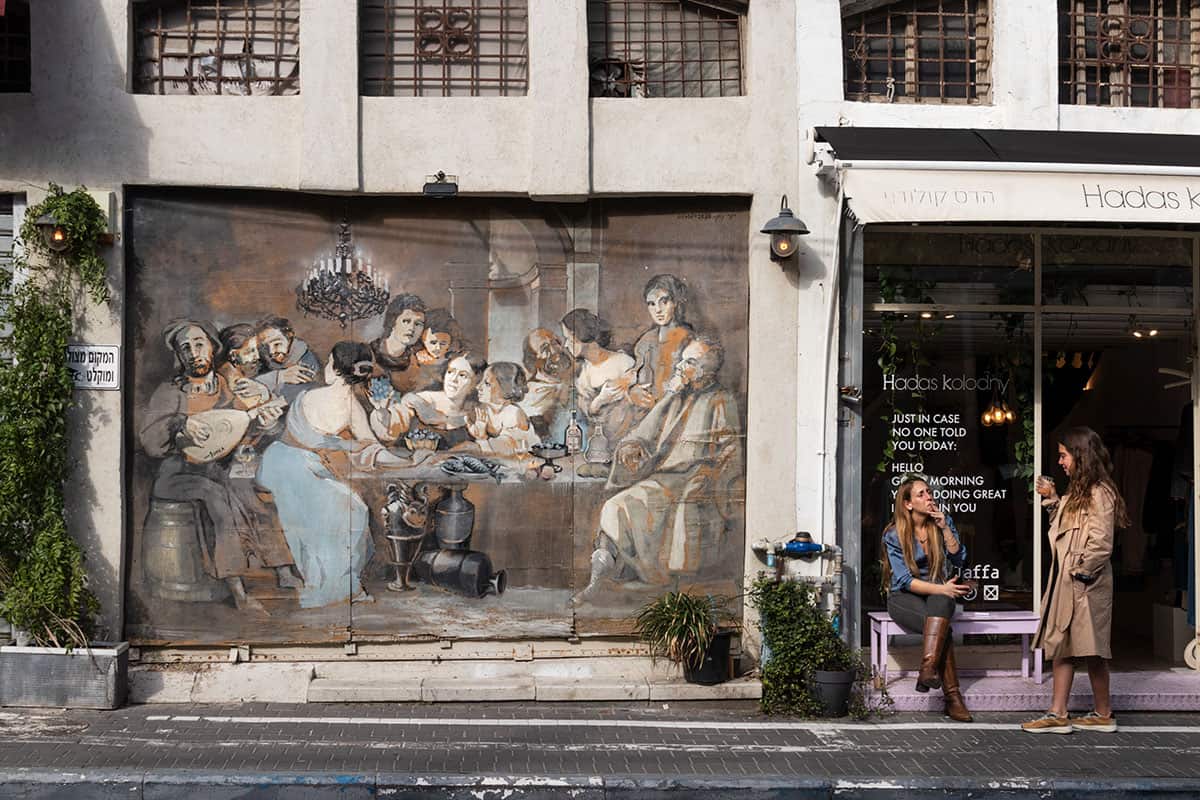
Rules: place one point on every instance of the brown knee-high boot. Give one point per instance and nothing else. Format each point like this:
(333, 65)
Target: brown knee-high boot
(936, 631)
(956, 709)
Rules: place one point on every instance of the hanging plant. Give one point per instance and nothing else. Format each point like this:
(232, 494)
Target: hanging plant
(43, 588)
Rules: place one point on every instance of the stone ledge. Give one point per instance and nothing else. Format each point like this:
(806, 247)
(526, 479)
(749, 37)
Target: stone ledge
(591, 690)
(743, 689)
(326, 690)
(449, 690)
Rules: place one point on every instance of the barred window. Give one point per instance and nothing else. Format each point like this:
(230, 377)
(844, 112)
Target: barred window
(665, 48)
(444, 48)
(236, 47)
(922, 51)
(1139, 53)
(14, 46)
(7, 225)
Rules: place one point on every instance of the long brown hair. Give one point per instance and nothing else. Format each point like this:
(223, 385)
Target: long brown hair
(1092, 467)
(902, 521)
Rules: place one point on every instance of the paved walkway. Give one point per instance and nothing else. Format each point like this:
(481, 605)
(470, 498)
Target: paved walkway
(581, 750)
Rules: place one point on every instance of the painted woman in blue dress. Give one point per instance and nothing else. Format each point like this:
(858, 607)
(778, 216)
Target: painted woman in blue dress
(307, 470)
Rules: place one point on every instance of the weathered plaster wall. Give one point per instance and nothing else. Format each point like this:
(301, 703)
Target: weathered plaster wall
(80, 124)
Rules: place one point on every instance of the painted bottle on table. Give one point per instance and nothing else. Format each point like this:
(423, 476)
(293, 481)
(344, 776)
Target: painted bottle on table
(573, 438)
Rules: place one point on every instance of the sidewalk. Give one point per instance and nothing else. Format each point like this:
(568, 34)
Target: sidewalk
(579, 750)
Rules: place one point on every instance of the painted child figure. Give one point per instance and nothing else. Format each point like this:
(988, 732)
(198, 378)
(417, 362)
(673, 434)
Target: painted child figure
(441, 339)
(500, 426)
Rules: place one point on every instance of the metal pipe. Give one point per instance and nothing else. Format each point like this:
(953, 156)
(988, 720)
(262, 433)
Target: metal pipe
(1020, 166)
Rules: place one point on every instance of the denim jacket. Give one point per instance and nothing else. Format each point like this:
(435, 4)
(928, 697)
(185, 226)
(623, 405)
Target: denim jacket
(901, 576)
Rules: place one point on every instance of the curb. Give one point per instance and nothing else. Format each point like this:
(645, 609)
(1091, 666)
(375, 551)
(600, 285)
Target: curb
(41, 784)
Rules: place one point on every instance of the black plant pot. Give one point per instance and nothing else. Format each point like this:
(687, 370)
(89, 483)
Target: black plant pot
(715, 666)
(832, 691)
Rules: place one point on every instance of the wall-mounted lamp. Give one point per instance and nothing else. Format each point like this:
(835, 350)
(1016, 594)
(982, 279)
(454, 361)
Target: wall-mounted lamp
(784, 231)
(53, 234)
(440, 185)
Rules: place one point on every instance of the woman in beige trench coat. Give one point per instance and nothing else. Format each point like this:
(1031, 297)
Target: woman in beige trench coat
(1077, 606)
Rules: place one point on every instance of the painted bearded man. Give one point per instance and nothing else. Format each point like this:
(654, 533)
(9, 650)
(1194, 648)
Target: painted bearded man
(679, 471)
(176, 430)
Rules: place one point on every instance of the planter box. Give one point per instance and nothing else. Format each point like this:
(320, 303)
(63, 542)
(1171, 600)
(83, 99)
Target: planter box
(51, 677)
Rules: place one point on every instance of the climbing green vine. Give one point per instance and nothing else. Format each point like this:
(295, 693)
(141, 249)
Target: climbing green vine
(43, 588)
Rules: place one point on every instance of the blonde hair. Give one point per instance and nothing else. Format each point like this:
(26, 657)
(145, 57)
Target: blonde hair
(902, 521)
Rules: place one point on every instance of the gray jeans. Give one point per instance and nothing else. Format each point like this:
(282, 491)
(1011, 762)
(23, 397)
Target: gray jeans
(910, 610)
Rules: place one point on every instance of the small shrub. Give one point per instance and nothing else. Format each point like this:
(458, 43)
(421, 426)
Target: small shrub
(801, 639)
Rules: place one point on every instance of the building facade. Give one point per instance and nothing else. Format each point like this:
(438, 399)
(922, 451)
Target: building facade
(613, 163)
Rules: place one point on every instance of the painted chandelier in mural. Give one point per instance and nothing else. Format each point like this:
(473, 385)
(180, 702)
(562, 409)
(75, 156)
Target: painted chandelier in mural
(344, 286)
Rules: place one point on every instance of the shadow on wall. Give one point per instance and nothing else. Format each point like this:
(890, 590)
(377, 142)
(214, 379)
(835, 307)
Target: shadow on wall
(78, 108)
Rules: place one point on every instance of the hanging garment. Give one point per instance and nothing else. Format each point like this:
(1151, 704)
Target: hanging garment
(1132, 468)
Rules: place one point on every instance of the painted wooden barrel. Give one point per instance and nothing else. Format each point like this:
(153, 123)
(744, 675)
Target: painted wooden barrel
(172, 561)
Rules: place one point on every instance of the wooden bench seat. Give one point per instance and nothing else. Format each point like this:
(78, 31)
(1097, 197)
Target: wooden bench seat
(1025, 623)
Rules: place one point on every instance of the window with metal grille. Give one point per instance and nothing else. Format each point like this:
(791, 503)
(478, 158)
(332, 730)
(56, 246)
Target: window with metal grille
(7, 225)
(14, 46)
(665, 48)
(217, 47)
(444, 48)
(919, 51)
(1139, 53)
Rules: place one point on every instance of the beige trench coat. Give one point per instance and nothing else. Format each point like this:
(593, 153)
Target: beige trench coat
(1077, 617)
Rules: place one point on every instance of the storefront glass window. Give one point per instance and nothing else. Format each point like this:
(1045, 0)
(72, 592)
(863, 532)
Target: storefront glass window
(948, 268)
(928, 383)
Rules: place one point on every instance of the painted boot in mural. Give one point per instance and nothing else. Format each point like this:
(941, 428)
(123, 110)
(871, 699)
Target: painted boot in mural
(956, 709)
(286, 577)
(243, 601)
(936, 632)
(603, 562)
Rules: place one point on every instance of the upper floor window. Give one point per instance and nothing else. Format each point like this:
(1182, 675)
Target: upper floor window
(1142, 53)
(923, 51)
(665, 48)
(14, 46)
(444, 48)
(217, 47)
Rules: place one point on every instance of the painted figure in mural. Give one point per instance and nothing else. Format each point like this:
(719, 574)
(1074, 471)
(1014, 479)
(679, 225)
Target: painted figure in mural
(242, 365)
(290, 366)
(657, 350)
(193, 424)
(446, 411)
(548, 371)
(604, 375)
(308, 471)
(682, 465)
(395, 350)
(441, 339)
(499, 425)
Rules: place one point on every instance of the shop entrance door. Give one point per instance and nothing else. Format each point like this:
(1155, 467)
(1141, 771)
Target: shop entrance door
(970, 349)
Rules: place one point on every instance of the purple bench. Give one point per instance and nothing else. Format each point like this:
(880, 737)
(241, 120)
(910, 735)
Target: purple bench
(973, 622)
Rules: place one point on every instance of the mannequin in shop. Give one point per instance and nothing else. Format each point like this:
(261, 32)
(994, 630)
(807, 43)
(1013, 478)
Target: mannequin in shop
(919, 545)
(1077, 605)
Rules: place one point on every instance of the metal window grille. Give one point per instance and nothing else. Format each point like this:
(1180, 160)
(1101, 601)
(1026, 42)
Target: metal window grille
(236, 47)
(1132, 53)
(7, 225)
(923, 51)
(14, 47)
(444, 48)
(665, 48)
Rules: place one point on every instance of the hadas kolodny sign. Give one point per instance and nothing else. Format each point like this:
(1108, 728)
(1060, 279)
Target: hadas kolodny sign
(911, 195)
(95, 366)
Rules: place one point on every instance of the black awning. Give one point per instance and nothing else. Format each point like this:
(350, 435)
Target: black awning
(1050, 147)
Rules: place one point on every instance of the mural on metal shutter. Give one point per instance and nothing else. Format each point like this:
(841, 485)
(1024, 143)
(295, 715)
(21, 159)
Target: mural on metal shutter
(395, 417)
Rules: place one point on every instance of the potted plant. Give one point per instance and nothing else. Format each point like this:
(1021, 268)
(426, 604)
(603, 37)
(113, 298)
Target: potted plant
(807, 668)
(693, 630)
(43, 587)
